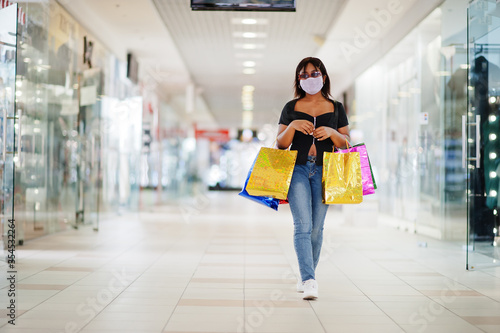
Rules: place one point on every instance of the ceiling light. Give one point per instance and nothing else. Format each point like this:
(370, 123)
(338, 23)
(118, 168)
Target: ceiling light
(249, 46)
(249, 21)
(249, 55)
(248, 88)
(249, 34)
(247, 97)
(249, 64)
(249, 71)
(247, 118)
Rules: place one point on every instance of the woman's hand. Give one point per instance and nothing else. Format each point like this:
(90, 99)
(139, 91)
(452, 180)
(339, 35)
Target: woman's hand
(303, 126)
(323, 133)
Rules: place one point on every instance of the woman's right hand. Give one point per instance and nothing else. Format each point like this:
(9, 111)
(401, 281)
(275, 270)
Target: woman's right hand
(303, 126)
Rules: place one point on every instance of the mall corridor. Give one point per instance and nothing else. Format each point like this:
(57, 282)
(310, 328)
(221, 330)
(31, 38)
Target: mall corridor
(221, 263)
(128, 128)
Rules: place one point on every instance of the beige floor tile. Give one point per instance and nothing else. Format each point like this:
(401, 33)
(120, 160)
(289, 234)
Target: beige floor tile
(262, 322)
(210, 302)
(333, 319)
(440, 328)
(130, 324)
(489, 328)
(200, 326)
(483, 320)
(196, 310)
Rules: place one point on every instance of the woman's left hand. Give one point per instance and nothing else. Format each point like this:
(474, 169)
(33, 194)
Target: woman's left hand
(323, 133)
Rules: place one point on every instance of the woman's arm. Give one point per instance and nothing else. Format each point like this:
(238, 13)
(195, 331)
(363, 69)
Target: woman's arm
(286, 133)
(337, 136)
(341, 135)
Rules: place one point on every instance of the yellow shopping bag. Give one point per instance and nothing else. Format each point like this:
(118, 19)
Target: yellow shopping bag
(272, 173)
(342, 183)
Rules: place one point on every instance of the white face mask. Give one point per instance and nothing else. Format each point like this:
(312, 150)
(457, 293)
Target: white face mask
(312, 85)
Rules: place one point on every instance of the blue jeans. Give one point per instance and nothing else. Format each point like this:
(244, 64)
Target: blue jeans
(309, 212)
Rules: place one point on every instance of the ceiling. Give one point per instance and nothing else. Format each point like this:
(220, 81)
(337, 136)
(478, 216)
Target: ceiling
(206, 52)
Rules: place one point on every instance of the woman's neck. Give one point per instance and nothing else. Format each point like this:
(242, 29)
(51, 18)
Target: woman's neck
(314, 98)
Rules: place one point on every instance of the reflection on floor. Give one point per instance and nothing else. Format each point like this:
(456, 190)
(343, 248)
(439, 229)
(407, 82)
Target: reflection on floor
(221, 263)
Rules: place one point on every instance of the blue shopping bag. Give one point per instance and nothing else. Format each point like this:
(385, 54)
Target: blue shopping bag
(266, 201)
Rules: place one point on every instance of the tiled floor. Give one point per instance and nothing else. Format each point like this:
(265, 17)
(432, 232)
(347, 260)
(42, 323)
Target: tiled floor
(220, 263)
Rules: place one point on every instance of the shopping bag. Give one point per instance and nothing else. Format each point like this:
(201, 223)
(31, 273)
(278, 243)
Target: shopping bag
(366, 172)
(272, 173)
(342, 183)
(371, 171)
(266, 201)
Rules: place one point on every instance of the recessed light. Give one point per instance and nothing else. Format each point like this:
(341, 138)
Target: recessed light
(249, 71)
(248, 88)
(249, 34)
(249, 63)
(249, 21)
(249, 55)
(247, 118)
(249, 46)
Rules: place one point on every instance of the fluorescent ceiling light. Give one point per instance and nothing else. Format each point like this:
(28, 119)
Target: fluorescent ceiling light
(249, 21)
(249, 71)
(249, 55)
(248, 88)
(247, 118)
(249, 63)
(249, 34)
(249, 46)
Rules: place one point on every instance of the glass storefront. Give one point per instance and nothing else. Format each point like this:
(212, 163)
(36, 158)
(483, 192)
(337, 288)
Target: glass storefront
(425, 104)
(482, 134)
(8, 123)
(64, 78)
(413, 114)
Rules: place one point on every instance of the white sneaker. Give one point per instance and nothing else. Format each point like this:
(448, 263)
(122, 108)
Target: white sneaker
(300, 286)
(310, 290)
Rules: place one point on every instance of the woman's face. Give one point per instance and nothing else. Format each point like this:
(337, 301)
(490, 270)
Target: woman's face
(310, 71)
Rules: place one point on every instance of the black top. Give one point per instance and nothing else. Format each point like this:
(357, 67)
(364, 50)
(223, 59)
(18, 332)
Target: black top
(302, 142)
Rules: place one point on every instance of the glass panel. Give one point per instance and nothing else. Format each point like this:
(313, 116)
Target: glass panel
(47, 95)
(415, 116)
(89, 128)
(453, 104)
(483, 134)
(8, 48)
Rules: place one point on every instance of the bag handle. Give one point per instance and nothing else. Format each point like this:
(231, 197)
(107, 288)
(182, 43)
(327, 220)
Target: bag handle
(347, 144)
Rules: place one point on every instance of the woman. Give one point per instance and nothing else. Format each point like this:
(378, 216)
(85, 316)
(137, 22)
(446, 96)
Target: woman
(312, 123)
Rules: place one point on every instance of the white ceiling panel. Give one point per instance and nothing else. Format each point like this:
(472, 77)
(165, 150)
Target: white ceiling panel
(213, 49)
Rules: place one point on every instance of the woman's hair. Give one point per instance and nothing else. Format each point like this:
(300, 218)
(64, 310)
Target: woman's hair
(318, 64)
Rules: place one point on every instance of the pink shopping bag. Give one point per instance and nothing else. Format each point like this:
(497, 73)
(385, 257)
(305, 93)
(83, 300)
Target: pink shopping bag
(366, 174)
